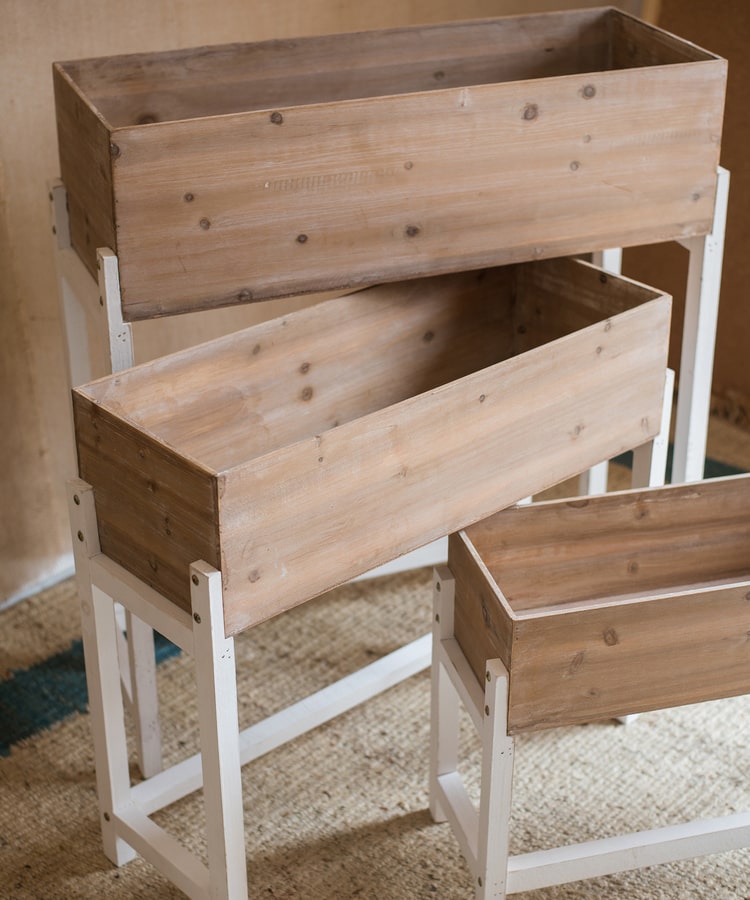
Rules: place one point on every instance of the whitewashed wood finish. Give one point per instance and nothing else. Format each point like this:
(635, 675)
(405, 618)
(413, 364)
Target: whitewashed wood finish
(698, 342)
(483, 833)
(216, 680)
(650, 459)
(594, 480)
(119, 333)
(496, 782)
(444, 702)
(339, 149)
(99, 630)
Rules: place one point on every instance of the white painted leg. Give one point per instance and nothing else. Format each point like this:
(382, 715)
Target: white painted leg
(444, 701)
(650, 466)
(118, 333)
(496, 787)
(144, 695)
(83, 307)
(594, 481)
(99, 630)
(650, 459)
(609, 259)
(140, 660)
(219, 734)
(698, 341)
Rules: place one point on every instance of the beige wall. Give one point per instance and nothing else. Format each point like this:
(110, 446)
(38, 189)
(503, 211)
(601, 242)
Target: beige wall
(35, 443)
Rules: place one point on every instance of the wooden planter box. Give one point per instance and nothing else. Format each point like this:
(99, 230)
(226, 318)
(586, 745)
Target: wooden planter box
(612, 605)
(298, 453)
(236, 173)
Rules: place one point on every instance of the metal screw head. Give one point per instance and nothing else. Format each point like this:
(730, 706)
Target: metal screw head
(106, 817)
(277, 118)
(437, 586)
(194, 579)
(486, 710)
(589, 91)
(80, 536)
(76, 500)
(479, 881)
(205, 223)
(487, 676)
(197, 618)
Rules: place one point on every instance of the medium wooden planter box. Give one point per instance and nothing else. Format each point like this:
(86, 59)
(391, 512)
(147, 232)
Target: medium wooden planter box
(298, 453)
(611, 605)
(235, 173)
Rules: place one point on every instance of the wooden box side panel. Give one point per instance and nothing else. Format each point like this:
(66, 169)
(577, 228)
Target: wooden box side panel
(618, 544)
(261, 389)
(637, 43)
(209, 81)
(156, 513)
(339, 195)
(559, 296)
(483, 623)
(627, 658)
(371, 490)
(85, 168)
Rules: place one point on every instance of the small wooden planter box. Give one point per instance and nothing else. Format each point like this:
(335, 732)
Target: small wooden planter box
(303, 451)
(235, 173)
(611, 605)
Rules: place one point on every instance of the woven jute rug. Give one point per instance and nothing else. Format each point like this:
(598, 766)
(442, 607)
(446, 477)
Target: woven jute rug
(343, 811)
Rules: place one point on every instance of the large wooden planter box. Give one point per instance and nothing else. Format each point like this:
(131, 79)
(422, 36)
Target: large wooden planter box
(301, 452)
(243, 172)
(611, 605)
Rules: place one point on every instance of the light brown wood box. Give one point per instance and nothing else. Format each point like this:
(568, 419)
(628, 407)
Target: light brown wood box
(228, 174)
(298, 453)
(612, 605)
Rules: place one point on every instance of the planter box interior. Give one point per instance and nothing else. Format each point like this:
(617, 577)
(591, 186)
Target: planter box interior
(235, 173)
(610, 605)
(299, 453)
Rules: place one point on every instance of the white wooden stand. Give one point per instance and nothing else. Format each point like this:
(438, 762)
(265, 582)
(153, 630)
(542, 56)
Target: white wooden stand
(483, 834)
(126, 809)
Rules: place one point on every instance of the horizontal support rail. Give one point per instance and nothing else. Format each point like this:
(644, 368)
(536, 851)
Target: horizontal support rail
(592, 859)
(149, 605)
(162, 850)
(185, 777)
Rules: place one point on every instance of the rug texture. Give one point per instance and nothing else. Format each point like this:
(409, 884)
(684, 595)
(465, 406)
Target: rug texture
(342, 812)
